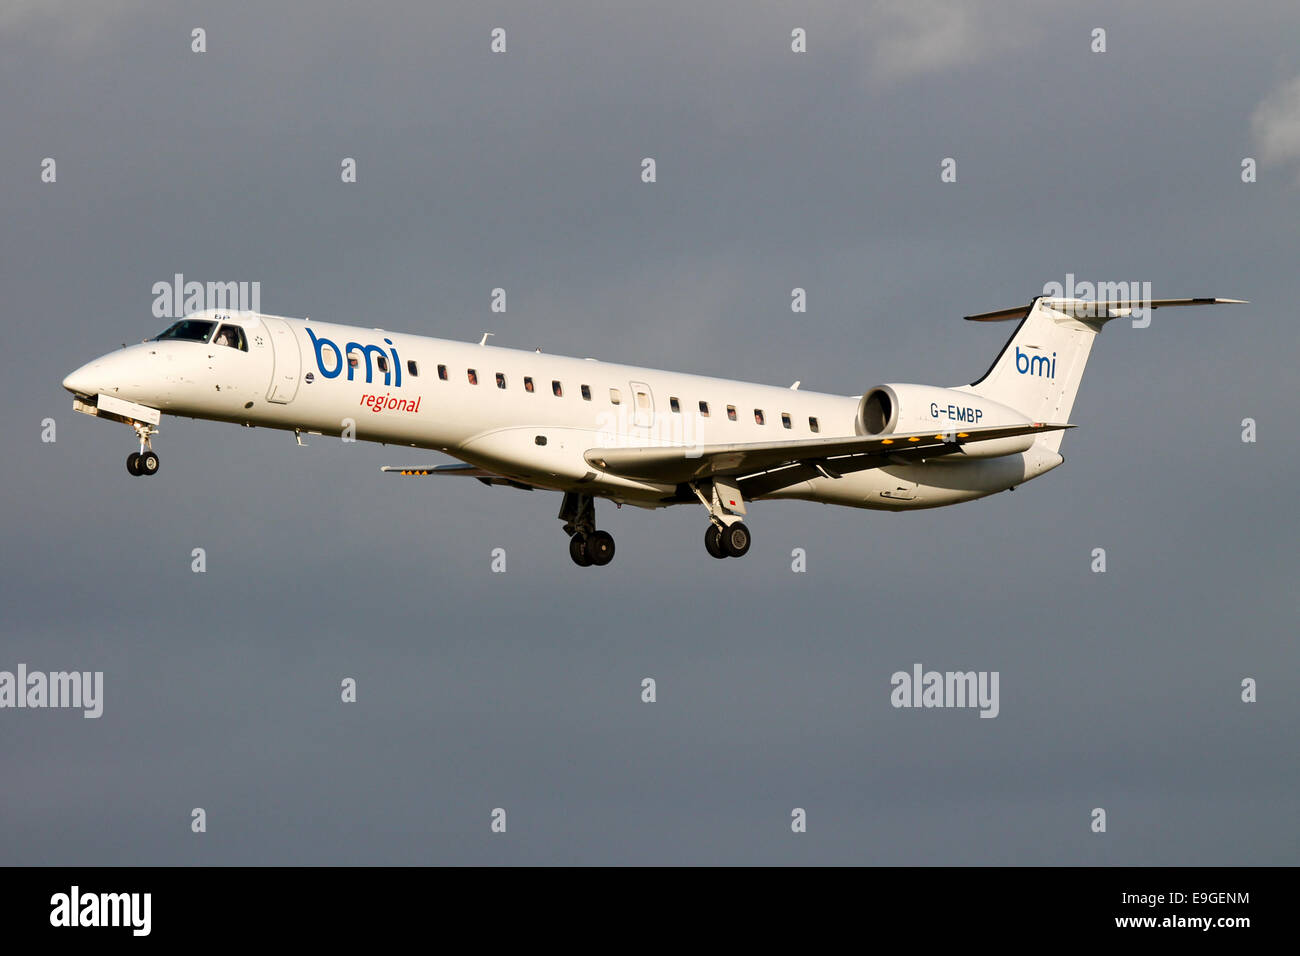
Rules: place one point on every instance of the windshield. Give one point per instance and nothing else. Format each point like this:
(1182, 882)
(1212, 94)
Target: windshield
(191, 330)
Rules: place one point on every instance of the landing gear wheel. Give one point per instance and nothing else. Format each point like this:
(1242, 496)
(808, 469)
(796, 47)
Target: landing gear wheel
(600, 548)
(579, 552)
(147, 463)
(713, 541)
(736, 540)
(133, 463)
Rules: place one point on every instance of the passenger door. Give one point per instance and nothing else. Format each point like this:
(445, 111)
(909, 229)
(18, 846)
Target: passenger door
(287, 360)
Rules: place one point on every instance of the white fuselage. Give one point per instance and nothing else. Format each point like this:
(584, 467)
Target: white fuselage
(294, 374)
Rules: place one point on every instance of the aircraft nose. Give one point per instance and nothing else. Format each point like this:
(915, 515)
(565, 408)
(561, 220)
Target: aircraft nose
(82, 381)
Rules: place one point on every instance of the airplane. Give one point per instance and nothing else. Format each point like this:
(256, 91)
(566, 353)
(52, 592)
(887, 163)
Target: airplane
(638, 436)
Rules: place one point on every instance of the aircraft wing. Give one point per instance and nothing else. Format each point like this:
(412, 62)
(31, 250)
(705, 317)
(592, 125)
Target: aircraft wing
(457, 468)
(829, 457)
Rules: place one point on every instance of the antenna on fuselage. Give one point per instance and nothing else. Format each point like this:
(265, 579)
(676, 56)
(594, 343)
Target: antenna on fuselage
(486, 335)
(794, 387)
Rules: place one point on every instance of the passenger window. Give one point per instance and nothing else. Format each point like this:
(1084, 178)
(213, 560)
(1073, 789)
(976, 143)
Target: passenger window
(785, 420)
(528, 383)
(643, 401)
(704, 409)
(473, 377)
(812, 424)
(731, 412)
(758, 417)
(442, 372)
(382, 363)
(557, 389)
(586, 393)
(233, 337)
(675, 405)
(411, 367)
(352, 360)
(501, 380)
(615, 396)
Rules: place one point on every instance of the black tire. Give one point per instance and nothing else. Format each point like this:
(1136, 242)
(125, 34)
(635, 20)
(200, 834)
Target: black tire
(713, 541)
(133, 463)
(600, 548)
(736, 540)
(147, 463)
(578, 551)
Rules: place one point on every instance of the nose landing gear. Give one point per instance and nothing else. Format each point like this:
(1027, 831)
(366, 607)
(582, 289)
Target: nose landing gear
(144, 462)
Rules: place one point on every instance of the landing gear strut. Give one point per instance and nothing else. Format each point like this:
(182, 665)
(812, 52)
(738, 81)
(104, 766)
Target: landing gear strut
(145, 461)
(727, 536)
(587, 546)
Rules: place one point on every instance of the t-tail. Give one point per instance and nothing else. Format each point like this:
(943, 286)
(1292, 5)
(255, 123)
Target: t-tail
(1039, 369)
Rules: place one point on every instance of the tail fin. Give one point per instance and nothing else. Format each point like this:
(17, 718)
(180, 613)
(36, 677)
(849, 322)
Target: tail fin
(1039, 369)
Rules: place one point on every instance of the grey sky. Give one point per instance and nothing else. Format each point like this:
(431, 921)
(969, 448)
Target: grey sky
(521, 690)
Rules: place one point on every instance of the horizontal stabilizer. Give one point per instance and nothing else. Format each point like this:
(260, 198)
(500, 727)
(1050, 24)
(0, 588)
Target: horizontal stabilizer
(1087, 308)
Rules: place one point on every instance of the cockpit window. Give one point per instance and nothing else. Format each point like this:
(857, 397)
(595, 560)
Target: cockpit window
(233, 336)
(189, 330)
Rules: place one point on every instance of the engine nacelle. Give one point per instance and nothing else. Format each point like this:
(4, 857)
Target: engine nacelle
(916, 409)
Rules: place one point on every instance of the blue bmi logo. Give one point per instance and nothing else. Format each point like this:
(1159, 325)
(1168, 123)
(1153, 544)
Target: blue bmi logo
(1039, 365)
(392, 374)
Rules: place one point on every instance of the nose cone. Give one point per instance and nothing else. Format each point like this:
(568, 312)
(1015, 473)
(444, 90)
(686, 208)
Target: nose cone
(84, 381)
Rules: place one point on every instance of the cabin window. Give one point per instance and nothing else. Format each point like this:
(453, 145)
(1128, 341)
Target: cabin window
(528, 383)
(412, 367)
(704, 409)
(233, 337)
(785, 420)
(812, 424)
(442, 372)
(557, 389)
(731, 412)
(382, 363)
(352, 360)
(473, 377)
(643, 401)
(758, 417)
(501, 380)
(675, 405)
(615, 396)
(586, 393)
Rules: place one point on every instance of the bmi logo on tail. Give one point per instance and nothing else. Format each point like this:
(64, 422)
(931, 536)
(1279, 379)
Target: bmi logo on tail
(1039, 365)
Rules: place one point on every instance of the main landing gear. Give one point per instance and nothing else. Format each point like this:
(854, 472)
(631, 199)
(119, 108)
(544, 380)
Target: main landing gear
(731, 541)
(727, 536)
(144, 462)
(587, 546)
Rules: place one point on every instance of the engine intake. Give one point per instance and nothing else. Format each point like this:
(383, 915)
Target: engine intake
(916, 409)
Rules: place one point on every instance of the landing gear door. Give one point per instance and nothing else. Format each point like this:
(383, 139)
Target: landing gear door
(286, 359)
(643, 405)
